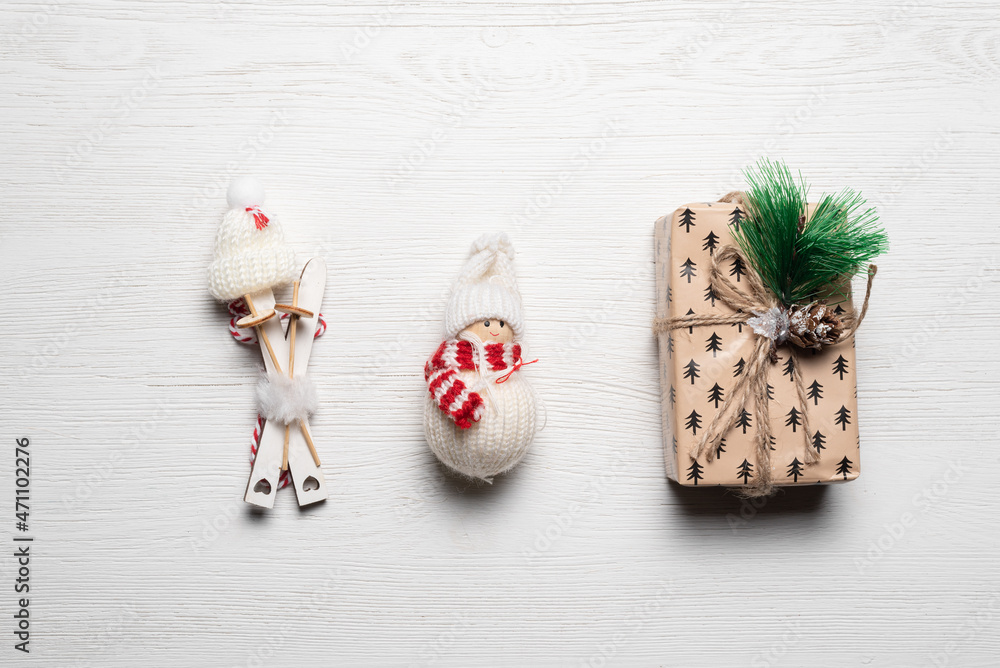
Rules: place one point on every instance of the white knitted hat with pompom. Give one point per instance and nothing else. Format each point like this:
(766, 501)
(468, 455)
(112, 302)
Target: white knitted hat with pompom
(486, 287)
(250, 250)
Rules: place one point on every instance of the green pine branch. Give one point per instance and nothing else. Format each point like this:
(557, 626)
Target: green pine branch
(798, 258)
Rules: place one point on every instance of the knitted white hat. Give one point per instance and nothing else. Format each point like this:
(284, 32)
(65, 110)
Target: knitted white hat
(250, 250)
(486, 287)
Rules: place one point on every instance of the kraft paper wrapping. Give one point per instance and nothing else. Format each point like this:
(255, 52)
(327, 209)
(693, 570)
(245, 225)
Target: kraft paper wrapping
(699, 365)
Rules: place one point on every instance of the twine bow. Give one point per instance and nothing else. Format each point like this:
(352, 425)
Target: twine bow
(755, 304)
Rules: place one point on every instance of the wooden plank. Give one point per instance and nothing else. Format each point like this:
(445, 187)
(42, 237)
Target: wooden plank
(389, 136)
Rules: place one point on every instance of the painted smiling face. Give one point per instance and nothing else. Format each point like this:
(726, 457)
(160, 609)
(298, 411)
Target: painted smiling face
(491, 331)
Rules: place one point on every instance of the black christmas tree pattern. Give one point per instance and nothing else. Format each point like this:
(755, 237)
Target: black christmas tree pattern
(818, 441)
(793, 419)
(688, 269)
(795, 470)
(739, 269)
(714, 344)
(840, 366)
(789, 368)
(844, 467)
(720, 448)
(708, 353)
(815, 392)
(695, 472)
(711, 243)
(691, 371)
(717, 394)
(745, 420)
(687, 220)
(735, 217)
(710, 295)
(745, 471)
(693, 422)
(843, 417)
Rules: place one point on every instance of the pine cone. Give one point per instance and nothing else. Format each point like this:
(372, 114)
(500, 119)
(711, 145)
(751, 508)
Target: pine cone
(814, 325)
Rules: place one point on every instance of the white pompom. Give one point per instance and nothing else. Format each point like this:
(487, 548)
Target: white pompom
(286, 400)
(245, 191)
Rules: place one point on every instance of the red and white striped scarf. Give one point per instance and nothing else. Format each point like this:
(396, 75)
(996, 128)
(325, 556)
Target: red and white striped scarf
(452, 395)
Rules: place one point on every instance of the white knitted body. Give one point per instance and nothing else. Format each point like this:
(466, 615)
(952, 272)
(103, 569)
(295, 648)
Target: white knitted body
(497, 442)
(247, 259)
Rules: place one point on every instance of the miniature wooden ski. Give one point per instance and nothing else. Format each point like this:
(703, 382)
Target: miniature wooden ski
(306, 473)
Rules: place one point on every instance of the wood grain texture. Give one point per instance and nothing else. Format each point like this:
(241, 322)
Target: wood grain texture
(389, 135)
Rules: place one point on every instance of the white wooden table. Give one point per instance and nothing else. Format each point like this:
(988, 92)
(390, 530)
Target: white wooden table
(390, 135)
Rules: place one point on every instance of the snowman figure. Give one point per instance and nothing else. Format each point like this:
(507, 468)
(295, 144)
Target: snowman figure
(479, 413)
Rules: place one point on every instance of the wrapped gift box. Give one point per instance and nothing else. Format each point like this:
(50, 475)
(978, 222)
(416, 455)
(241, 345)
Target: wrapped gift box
(700, 364)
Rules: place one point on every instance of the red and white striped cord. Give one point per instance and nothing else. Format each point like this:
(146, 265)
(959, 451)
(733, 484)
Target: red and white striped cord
(238, 309)
(258, 431)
